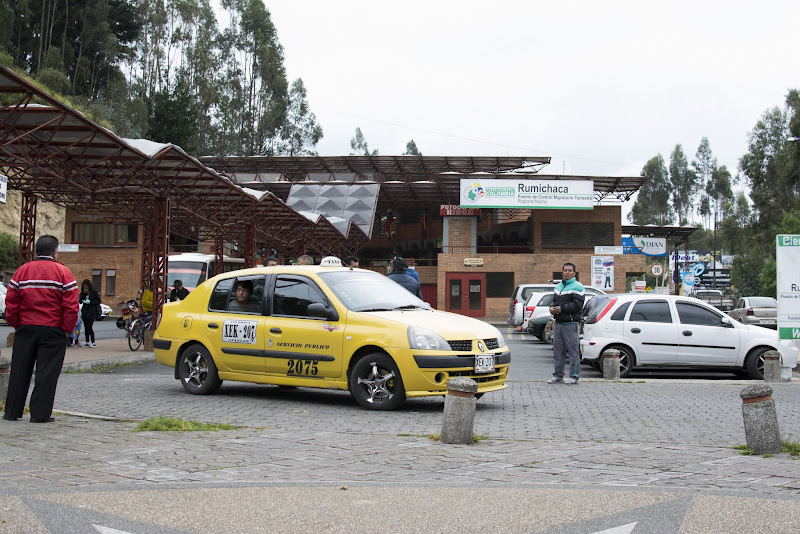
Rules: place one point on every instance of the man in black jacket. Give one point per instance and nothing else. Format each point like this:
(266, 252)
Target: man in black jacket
(566, 309)
(400, 276)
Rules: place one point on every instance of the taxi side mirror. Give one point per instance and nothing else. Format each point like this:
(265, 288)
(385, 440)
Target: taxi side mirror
(317, 309)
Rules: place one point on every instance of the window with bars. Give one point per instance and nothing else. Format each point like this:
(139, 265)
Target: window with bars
(577, 235)
(111, 281)
(97, 279)
(103, 234)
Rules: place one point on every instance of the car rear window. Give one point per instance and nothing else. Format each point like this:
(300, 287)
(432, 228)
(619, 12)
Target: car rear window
(593, 308)
(765, 302)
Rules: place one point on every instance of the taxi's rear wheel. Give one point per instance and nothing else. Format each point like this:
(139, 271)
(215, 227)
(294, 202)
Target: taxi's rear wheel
(375, 383)
(197, 371)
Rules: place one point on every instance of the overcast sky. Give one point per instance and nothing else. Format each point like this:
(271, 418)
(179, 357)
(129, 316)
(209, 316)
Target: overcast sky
(600, 87)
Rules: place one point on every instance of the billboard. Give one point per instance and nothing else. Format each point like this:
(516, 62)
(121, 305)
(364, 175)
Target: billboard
(544, 194)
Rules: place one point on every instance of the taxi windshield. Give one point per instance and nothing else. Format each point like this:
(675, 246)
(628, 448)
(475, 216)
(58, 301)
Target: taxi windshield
(368, 291)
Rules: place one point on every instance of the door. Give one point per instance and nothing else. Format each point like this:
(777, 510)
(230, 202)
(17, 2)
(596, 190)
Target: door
(466, 293)
(298, 344)
(704, 338)
(236, 329)
(652, 332)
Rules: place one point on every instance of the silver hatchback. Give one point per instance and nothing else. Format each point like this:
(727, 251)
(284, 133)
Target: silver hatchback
(760, 311)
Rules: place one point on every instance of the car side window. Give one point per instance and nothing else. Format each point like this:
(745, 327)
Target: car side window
(651, 311)
(740, 303)
(546, 300)
(293, 294)
(219, 297)
(619, 313)
(693, 314)
(246, 295)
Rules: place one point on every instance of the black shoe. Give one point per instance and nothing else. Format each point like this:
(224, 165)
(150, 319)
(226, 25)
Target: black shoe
(9, 418)
(48, 420)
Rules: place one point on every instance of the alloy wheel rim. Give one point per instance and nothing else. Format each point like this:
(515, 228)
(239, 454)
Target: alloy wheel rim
(378, 385)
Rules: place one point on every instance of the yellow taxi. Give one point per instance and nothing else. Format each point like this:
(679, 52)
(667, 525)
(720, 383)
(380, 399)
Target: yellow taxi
(325, 327)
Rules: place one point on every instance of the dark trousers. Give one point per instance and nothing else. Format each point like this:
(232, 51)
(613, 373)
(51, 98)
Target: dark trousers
(88, 323)
(44, 347)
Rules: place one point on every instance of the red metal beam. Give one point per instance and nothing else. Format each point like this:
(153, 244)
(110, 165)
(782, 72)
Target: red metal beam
(160, 255)
(27, 229)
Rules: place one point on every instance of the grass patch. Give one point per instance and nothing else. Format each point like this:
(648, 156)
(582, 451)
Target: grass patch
(744, 449)
(475, 437)
(100, 368)
(26, 409)
(792, 447)
(172, 424)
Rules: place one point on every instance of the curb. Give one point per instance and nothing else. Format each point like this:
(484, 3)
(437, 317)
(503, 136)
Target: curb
(142, 357)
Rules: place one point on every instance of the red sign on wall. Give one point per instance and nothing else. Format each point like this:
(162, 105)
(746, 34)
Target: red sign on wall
(454, 210)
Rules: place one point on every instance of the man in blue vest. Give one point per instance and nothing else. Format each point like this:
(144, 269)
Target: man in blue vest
(566, 310)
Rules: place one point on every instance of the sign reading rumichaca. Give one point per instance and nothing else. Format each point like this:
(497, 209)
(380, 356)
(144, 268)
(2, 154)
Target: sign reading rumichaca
(546, 194)
(451, 210)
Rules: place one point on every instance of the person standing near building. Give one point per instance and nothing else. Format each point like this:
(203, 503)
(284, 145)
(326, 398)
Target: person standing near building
(400, 276)
(42, 307)
(566, 310)
(90, 300)
(178, 292)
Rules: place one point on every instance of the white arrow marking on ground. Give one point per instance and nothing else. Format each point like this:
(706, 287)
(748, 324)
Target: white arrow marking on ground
(108, 530)
(624, 529)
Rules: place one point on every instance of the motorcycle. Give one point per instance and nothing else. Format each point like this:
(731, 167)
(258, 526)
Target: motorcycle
(129, 310)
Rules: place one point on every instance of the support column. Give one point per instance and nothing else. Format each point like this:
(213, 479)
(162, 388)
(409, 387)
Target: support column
(27, 229)
(160, 255)
(250, 246)
(147, 255)
(219, 252)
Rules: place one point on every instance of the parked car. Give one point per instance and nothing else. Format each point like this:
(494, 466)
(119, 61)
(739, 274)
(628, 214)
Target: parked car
(325, 327)
(516, 303)
(674, 331)
(2, 301)
(537, 310)
(105, 311)
(761, 311)
(716, 298)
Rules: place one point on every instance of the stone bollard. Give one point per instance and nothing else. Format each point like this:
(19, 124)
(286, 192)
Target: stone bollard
(772, 366)
(148, 340)
(459, 411)
(10, 340)
(611, 364)
(5, 373)
(760, 419)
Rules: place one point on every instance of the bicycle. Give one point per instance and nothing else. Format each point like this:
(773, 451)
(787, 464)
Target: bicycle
(135, 333)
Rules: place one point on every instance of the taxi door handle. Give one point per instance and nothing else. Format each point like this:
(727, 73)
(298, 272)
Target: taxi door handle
(636, 330)
(275, 330)
(213, 326)
(687, 333)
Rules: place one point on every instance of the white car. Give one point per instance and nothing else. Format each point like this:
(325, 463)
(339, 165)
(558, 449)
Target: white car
(674, 331)
(516, 303)
(2, 301)
(106, 310)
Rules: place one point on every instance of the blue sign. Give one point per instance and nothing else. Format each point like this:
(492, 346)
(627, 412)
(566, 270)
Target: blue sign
(698, 268)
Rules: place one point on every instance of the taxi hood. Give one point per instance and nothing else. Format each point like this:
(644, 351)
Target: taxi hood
(446, 324)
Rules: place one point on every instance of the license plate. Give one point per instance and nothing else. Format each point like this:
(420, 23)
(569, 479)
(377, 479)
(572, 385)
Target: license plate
(484, 363)
(127, 316)
(767, 321)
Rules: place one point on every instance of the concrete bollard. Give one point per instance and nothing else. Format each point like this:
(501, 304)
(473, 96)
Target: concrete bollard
(5, 373)
(772, 366)
(10, 340)
(148, 340)
(611, 364)
(459, 411)
(760, 419)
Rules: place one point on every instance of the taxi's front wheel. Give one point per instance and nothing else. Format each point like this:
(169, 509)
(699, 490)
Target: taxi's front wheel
(197, 371)
(375, 383)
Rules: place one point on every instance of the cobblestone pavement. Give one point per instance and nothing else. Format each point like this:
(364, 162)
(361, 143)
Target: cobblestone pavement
(653, 454)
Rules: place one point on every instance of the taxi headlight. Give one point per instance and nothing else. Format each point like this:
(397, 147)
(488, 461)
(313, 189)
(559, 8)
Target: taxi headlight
(422, 338)
(501, 341)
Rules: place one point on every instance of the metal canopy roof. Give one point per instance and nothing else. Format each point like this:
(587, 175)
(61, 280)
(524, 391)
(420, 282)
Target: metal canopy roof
(679, 234)
(54, 152)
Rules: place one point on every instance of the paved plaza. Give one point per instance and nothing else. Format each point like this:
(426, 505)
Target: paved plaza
(640, 455)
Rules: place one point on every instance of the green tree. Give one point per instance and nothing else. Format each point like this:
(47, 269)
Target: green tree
(9, 250)
(173, 118)
(359, 146)
(652, 202)
(703, 166)
(300, 133)
(683, 182)
(411, 149)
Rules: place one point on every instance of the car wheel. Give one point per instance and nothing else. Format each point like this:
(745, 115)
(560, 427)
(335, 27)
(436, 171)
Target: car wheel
(197, 371)
(625, 360)
(755, 363)
(375, 383)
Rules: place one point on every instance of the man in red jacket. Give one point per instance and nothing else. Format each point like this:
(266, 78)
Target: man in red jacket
(42, 306)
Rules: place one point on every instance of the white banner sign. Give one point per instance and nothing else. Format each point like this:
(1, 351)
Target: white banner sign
(604, 251)
(68, 247)
(603, 272)
(3, 188)
(787, 256)
(505, 193)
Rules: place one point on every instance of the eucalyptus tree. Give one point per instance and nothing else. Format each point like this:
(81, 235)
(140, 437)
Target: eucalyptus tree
(359, 145)
(703, 166)
(411, 149)
(652, 202)
(301, 132)
(683, 182)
